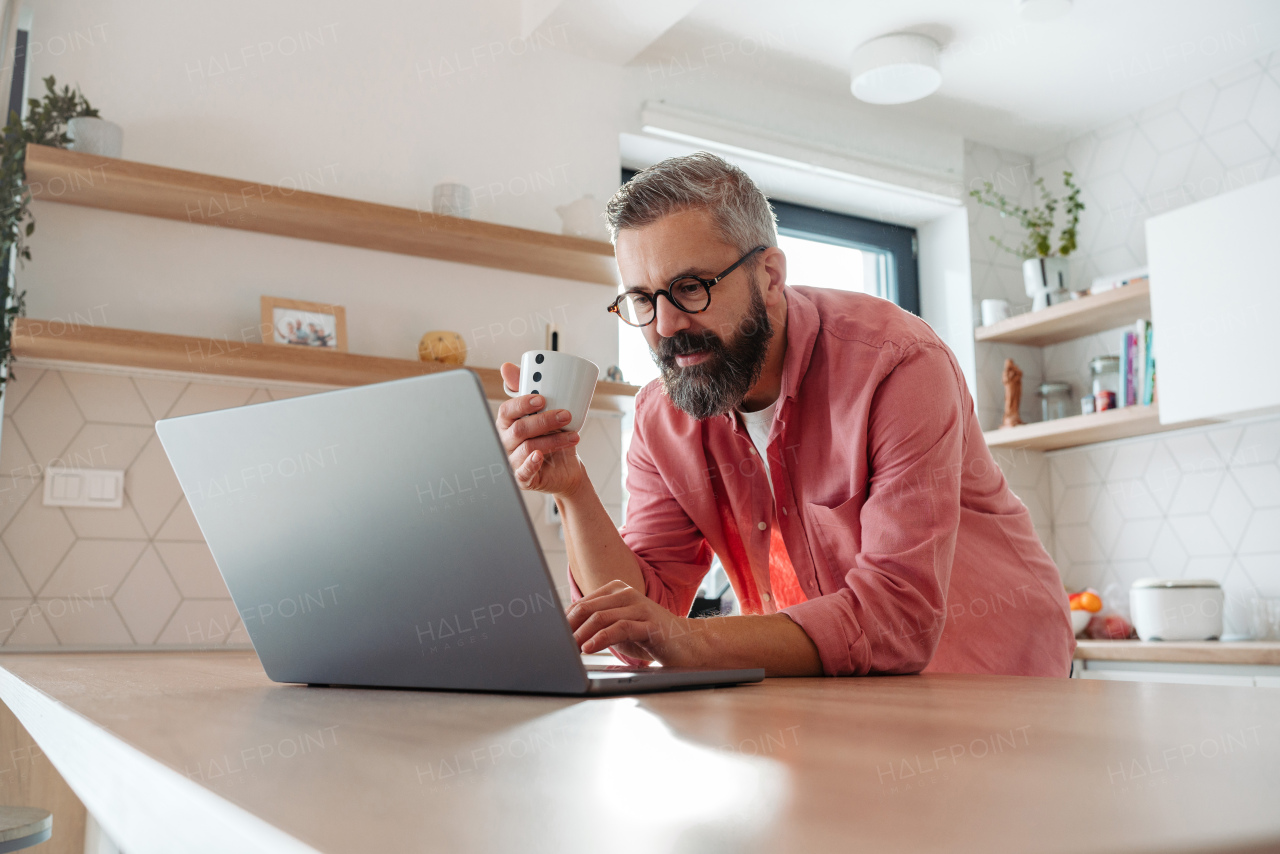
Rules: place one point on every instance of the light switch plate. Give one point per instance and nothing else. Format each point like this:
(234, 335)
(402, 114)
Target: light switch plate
(83, 488)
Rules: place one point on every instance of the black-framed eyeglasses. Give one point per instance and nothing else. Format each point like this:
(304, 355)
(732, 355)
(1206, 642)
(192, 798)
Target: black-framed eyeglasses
(690, 294)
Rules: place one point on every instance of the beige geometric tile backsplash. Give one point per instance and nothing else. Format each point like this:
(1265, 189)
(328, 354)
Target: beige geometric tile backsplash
(142, 576)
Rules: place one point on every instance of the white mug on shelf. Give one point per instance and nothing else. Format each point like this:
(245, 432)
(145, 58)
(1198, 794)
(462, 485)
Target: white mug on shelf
(994, 311)
(567, 382)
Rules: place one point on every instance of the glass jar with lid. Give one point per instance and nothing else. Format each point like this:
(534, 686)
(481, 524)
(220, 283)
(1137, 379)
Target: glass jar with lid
(1055, 401)
(1104, 371)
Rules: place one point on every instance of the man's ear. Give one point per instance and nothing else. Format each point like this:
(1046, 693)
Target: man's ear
(774, 264)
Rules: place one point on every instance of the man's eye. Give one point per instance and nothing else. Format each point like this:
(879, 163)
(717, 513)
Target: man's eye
(688, 288)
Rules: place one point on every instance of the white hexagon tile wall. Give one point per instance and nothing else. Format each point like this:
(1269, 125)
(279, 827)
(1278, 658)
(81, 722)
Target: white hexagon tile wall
(142, 576)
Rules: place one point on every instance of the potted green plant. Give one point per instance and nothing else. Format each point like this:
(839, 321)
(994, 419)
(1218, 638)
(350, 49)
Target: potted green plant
(45, 124)
(1044, 271)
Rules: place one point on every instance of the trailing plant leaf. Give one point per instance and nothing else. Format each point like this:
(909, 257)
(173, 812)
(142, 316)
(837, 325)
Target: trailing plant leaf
(45, 124)
(1038, 221)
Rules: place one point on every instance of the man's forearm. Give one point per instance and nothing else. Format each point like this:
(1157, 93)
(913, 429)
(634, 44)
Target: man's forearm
(772, 641)
(597, 552)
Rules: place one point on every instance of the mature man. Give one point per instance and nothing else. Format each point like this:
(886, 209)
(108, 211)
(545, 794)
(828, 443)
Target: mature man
(822, 443)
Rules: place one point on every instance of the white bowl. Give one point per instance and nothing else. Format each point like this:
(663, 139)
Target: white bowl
(1176, 609)
(1080, 619)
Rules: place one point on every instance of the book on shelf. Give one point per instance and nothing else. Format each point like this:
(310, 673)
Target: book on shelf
(1137, 367)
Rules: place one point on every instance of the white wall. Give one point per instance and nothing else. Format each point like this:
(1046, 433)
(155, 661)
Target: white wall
(998, 275)
(1216, 136)
(372, 103)
(1195, 503)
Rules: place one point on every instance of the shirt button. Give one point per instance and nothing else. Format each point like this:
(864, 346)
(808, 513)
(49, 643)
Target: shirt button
(753, 452)
(762, 525)
(765, 597)
(784, 511)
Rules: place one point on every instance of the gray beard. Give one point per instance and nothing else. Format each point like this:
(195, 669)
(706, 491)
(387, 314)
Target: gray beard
(718, 384)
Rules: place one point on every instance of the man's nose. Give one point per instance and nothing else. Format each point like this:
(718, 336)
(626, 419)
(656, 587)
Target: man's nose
(670, 319)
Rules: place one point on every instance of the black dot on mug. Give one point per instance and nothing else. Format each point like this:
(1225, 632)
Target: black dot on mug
(539, 358)
(537, 375)
(535, 391)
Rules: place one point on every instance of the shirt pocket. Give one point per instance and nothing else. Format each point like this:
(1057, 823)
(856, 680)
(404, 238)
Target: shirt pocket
(835, 538)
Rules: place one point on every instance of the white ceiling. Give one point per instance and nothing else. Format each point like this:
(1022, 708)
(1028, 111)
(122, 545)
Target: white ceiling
(1006, 82)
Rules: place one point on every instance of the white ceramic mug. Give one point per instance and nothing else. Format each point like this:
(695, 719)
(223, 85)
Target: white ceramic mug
(994, 311)
(567, 382)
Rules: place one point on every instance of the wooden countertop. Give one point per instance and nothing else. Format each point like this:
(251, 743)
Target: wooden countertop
(1183, 652)
(199, 752)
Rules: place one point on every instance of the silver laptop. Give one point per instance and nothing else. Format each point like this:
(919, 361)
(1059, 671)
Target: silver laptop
(375, 536)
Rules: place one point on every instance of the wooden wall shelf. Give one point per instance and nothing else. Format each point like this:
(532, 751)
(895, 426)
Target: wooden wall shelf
(70, 177)
(1083, 429)
(36, 339)
(1074, 319)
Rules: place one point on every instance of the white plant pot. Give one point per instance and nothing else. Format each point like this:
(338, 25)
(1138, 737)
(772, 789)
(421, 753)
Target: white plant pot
(95, 136)
(1046, 281)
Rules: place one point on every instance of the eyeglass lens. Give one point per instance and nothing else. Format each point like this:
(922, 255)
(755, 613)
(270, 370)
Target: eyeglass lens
(688, 294)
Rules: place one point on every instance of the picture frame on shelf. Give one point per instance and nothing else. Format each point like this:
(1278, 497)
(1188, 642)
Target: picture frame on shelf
(296, 323)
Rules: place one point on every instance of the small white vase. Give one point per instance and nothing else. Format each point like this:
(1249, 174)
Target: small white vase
(95, 136)
(583, 218)
(1046, 281)
(451, 199)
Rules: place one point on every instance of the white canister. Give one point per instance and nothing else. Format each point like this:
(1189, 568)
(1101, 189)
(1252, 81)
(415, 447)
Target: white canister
(1176, 609)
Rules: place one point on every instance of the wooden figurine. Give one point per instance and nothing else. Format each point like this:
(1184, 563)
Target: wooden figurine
(446, 347)
(1012, 394)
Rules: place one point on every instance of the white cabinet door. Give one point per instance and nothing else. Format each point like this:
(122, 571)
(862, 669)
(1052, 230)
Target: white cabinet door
(1215, 304)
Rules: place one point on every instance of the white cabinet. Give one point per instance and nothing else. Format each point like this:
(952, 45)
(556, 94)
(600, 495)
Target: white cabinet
(1215, 304)
(1180, 673)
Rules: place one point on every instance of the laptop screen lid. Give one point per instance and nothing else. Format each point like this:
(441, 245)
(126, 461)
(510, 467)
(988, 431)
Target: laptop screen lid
(374, 536)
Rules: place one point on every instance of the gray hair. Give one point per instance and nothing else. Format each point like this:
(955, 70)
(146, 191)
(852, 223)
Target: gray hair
(699, 181)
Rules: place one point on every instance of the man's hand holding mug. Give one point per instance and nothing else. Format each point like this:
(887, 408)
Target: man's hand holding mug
(539, 425)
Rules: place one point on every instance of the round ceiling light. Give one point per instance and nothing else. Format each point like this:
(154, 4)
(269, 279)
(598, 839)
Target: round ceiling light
(896, 69)
(1038, 11)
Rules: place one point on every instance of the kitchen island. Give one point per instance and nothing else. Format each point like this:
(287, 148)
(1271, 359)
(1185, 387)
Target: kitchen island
(199, 752)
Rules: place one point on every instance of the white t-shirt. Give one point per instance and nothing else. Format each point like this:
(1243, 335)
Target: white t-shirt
(758, 425)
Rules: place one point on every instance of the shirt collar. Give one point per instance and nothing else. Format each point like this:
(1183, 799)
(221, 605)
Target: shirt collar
(802, 332)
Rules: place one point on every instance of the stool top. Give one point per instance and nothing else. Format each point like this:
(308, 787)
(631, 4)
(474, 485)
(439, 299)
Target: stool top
(18, 822)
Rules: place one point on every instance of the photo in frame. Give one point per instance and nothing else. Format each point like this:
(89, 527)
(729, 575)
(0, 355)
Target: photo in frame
(294, 323)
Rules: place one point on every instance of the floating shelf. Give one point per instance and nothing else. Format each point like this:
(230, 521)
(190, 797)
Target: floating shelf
(1075, 319)
(37, 339)
(70, 177)
(1076, 430)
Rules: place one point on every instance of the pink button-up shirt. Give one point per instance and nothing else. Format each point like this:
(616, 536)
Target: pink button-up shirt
(904, 536)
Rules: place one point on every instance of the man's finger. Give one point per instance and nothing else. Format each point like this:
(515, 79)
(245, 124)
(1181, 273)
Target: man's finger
(529, 469)
(601, 620)
(615, 594)
(510, 375)
(541, 424)
(516, 408)
(621, 632)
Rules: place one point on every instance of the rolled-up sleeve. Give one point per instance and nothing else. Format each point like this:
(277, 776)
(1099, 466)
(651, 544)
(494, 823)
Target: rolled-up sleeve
(672, 553)
(889, 616)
